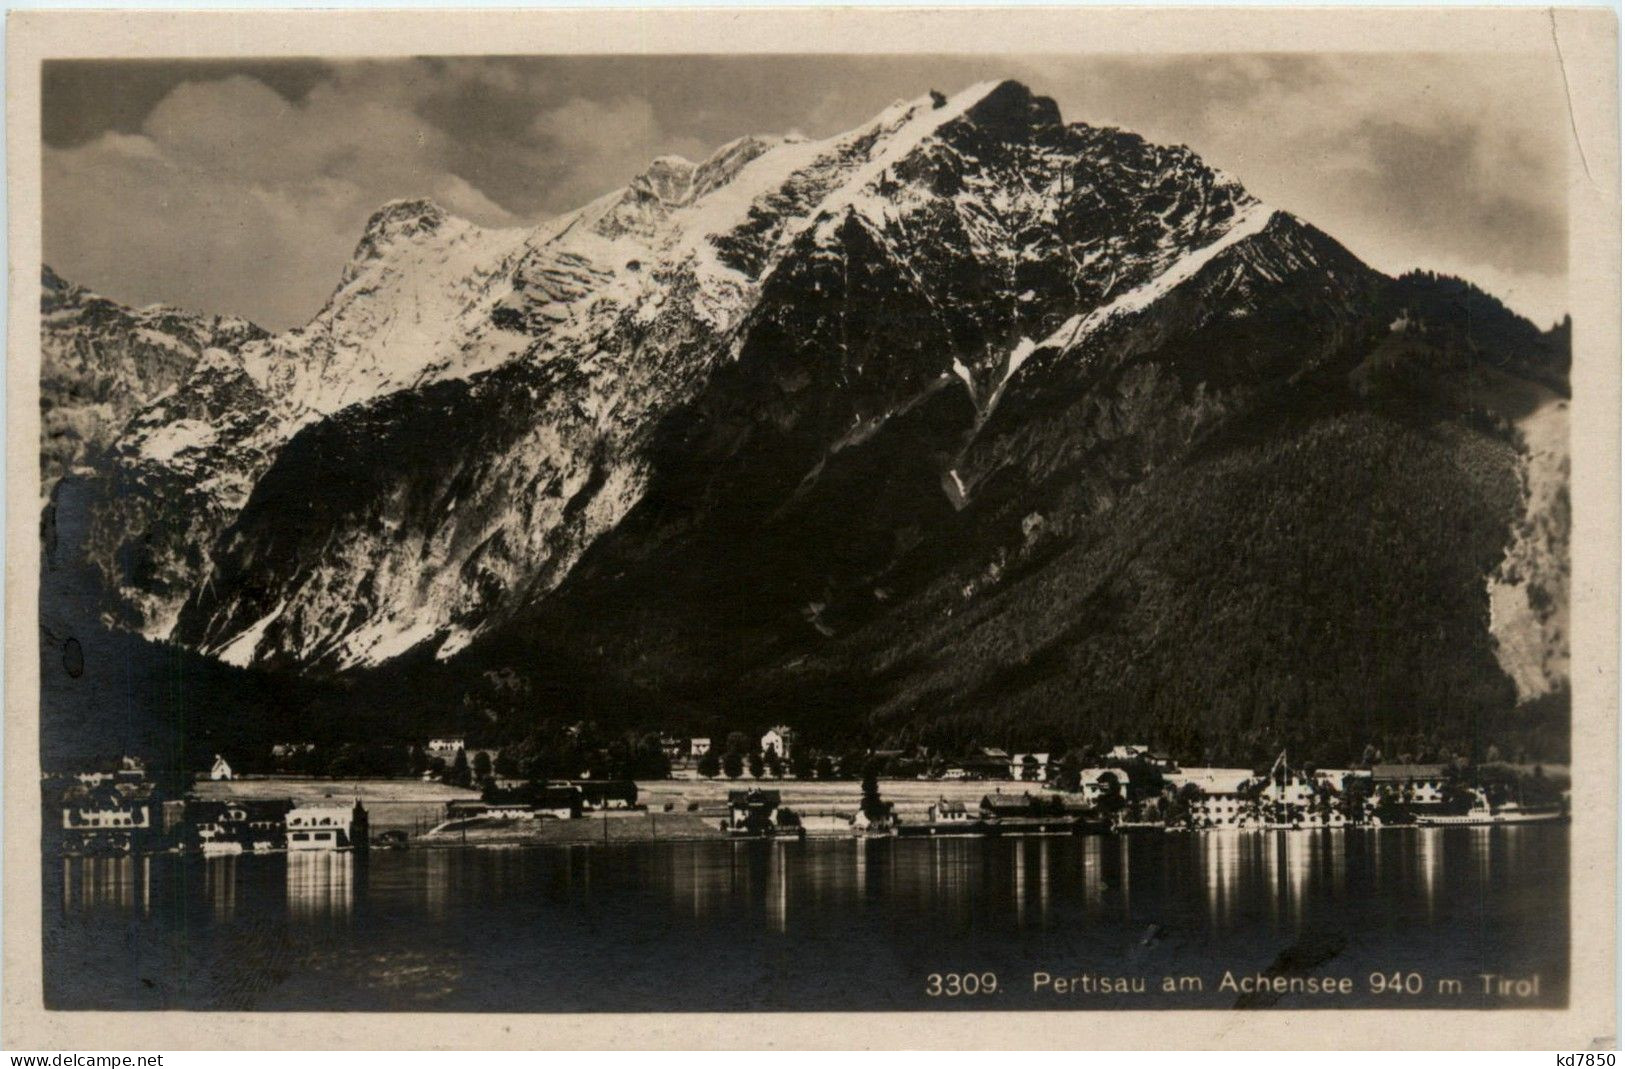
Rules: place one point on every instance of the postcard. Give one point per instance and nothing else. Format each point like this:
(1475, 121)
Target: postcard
(921, 528)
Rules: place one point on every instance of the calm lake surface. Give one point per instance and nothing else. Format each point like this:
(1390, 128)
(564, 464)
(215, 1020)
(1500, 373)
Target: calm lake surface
(817, 925)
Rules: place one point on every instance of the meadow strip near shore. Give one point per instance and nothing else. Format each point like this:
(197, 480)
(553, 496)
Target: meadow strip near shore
(415, 806)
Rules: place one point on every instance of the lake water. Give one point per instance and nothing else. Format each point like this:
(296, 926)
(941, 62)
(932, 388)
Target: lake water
(821, 925)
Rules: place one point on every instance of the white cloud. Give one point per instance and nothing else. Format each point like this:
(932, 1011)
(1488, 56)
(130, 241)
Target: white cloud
(145, 229)
(1450, 163)
(242, 200)
(232, 197)
(607, 143)
(460, 197)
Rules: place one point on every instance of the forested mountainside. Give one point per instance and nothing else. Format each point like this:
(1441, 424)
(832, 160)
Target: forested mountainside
(969, 424)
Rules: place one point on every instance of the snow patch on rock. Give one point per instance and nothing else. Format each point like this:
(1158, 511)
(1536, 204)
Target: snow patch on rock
(241, 649)
(168, 441)
(1249, 223)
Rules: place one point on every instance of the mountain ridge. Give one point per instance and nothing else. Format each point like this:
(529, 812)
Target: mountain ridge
(101, 361)
(939, 349)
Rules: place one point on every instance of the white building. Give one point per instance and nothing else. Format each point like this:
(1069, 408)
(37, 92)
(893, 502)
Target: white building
(445, 747)
(1292, 791)
(327, 827)
(1138, 752)
(699, 747)
(1292, 796)
(1223, 801)
(1338, 778)
(113, 807)
(779, 740)
(220, 770)
(1410, 784)
(1099, 783)
(122, 816)
(1035, 770)
(883, 818)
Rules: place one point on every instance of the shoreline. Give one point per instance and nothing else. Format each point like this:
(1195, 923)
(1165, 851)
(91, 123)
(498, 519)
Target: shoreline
(506, 840)
(412, 814)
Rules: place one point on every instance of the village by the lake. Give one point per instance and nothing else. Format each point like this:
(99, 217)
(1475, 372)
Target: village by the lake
(434, 883)
(695, 534)
(447, 791)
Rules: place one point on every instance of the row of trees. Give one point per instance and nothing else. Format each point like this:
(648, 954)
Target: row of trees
(801, 765)
(548, 751)
(643, 758)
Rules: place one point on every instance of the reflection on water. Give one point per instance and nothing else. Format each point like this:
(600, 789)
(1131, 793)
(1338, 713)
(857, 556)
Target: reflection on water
(1337, 859)
(778, 894)
(1224, 860)
(220, 884)
(321, 885)
(1295, 861)
(1428, 855)
(1043, 881)
(1483, 845)
(122, 883)
(837, 924)
(435, 881)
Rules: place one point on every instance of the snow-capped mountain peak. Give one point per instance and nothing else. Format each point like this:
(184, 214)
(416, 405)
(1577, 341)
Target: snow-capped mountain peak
(102, 361)
(475, 409)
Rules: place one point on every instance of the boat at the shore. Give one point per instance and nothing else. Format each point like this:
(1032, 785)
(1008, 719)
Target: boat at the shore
(1140, 827)
(1483, 813)
(781, 831)
(1002, 827)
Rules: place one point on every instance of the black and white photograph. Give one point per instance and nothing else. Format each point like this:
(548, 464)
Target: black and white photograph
(806, 532)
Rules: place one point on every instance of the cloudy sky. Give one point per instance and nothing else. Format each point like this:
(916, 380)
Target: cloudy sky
(242, 187)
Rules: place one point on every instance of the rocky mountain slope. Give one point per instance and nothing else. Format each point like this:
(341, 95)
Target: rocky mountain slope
(102, 361)
(965, 417)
